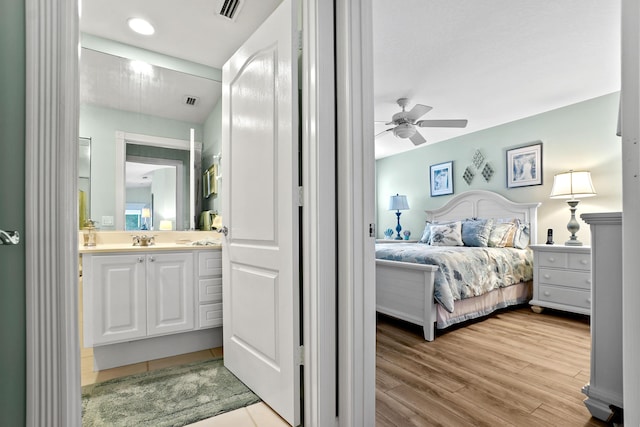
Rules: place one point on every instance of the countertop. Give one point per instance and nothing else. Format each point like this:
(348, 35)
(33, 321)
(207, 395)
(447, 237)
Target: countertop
(121, 241)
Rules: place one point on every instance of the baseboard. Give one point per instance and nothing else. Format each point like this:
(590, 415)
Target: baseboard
(127, 353)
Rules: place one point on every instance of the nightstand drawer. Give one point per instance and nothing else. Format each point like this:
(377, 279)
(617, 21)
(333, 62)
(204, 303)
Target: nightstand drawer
(574, 279)
(572, 297)
(552, 259)
(579, 262)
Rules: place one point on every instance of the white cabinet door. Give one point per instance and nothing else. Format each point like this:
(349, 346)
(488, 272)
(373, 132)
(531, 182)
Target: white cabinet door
(119, 298)
(260, 254)
(170, 293)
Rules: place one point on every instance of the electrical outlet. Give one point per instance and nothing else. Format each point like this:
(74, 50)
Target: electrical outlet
(107, 220)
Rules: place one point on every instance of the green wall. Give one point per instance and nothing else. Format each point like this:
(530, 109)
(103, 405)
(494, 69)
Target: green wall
(12, 201)
(580, 137)
(212, 145)
(100, 124)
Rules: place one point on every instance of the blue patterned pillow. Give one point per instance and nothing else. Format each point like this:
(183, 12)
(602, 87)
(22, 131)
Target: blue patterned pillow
(447, 234)
(475, 232)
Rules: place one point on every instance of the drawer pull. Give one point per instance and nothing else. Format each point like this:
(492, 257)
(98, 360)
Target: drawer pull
(546, 293)
(547, 276)
(551, 259)
(588, 281)
(140, 259)
(584, 262)
(589, 300)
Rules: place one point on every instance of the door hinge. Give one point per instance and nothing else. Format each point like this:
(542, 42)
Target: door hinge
(300, 196)
(372, 230)
(300, 355)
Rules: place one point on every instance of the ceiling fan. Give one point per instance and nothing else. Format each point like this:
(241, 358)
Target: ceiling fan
(405, 122)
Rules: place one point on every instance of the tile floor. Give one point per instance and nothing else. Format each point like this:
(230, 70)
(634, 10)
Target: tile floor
(257, 415)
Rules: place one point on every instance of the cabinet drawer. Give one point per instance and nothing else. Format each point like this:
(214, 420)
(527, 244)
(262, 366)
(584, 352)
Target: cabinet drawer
(579, 262)
(210, 263)
(210, 315)
(574, 279)
(552, 259)
(210, 290)
(574, 297)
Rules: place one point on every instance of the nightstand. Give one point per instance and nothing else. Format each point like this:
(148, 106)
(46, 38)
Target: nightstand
(561, 278)
(395, 241)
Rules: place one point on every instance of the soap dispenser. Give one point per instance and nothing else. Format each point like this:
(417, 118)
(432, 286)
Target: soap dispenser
(89, 233)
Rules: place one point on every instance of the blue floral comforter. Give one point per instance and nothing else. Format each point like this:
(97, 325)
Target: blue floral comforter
(464, 272)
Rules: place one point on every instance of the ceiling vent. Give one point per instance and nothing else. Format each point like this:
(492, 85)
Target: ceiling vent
(190, 100)
(229, 8)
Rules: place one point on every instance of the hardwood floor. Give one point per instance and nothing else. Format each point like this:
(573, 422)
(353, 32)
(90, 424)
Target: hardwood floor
(515, 368)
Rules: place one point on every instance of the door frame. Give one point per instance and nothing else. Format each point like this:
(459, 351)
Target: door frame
(51, 241)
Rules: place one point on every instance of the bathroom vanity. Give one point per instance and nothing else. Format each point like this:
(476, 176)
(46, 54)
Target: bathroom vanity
(147, 302)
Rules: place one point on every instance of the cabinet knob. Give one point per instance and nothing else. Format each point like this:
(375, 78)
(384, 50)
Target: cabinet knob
(152, 259)
(551, 259)
(140, 259)
(584, 262)
(589, 281)
(547, 276)
(546, 293)
(589, 300)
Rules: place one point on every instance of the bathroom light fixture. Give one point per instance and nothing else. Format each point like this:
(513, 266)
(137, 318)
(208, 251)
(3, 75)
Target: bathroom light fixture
(569, 185)
(141, 26)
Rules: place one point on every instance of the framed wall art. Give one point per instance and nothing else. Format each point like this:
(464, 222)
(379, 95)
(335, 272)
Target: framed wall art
(441, 179)
(524, 166)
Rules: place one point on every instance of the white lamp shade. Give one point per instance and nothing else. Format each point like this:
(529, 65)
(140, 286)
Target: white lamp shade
(146, 213)
(572, 184)
(398, 203)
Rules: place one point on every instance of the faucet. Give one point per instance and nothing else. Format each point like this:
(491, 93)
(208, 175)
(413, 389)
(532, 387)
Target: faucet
(9, 237)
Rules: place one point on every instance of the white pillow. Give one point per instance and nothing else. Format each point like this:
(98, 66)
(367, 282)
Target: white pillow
(447, 234)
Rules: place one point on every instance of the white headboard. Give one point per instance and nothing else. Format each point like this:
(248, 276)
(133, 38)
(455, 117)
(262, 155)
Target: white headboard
(486, 204)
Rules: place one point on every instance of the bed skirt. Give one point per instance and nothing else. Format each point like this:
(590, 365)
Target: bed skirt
(473, 308)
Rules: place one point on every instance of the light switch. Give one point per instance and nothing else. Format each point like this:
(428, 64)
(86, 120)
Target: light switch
(107, 220)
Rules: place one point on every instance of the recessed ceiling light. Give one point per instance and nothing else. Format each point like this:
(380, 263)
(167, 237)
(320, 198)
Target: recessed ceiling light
(141, 26)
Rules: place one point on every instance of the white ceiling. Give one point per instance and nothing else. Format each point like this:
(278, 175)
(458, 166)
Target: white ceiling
(490, 61)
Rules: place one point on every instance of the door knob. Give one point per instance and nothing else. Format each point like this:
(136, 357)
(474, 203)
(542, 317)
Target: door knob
(9, 237)
(224, 230)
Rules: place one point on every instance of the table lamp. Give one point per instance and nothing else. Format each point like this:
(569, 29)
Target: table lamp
(398, 203)
(146, 213)
(571, 185)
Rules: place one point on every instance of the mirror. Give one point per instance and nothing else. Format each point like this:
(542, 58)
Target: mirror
(140, 113)
(84, 180)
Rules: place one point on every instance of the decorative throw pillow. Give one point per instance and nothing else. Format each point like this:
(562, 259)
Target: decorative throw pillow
(426, 234)
(447, 234)
(500, 233)
(521, 236)
(475, 232)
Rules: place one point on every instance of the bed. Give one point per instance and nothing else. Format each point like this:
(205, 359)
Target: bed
(412, 291)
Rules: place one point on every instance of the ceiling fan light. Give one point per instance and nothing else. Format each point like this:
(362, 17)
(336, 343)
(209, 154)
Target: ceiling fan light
(404, 130)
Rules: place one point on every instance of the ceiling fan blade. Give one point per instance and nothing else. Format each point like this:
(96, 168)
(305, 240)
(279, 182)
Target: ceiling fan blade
(442, 123)
(384, 131)
(418, 111)
(417, 139)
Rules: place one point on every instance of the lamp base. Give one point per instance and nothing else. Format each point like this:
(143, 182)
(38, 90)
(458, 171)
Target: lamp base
(573, 243)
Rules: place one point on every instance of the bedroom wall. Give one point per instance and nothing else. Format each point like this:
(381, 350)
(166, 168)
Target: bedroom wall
(579, 136)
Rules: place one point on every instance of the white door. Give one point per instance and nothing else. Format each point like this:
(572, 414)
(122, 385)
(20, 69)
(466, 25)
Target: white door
(261, 318)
